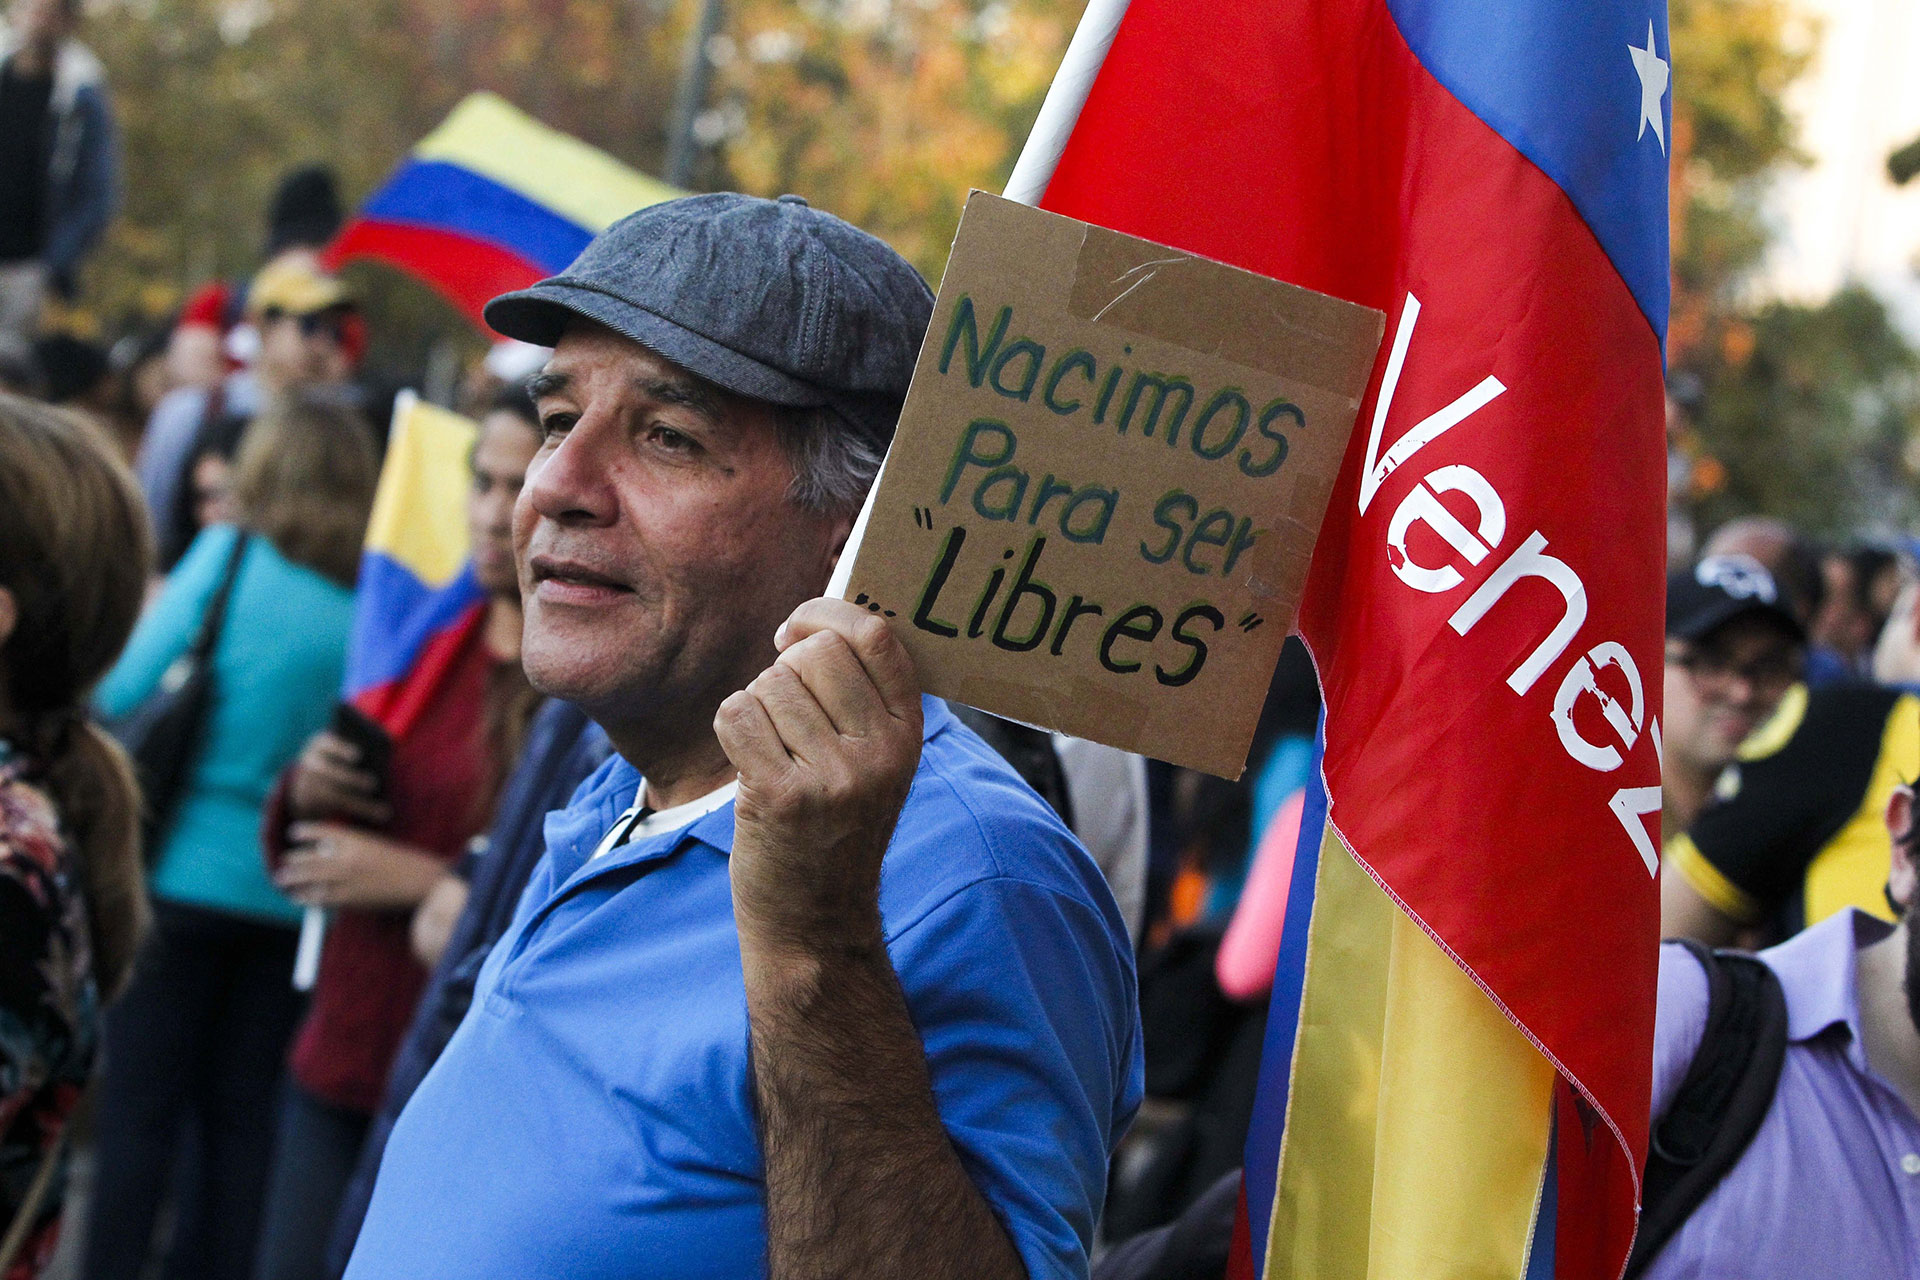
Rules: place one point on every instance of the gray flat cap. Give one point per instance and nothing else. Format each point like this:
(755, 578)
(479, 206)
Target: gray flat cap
(770, 299)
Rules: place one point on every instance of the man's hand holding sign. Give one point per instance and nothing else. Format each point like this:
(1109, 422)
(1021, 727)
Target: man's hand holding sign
(827, 740)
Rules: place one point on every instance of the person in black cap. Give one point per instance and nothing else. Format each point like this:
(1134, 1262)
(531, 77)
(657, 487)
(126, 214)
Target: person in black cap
(1774, 795)
(808, 982)
(1733, 650)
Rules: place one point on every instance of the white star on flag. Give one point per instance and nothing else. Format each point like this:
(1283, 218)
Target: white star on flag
(1654, 74)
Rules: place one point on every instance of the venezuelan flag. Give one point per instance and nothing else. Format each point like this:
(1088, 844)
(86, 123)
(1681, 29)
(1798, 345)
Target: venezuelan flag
(1456, 1076)
(417, 590)
(417, 599)
(1403, 1125)
(491, 201)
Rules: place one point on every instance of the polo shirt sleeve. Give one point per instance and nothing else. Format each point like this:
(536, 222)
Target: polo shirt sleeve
(1027, 1012)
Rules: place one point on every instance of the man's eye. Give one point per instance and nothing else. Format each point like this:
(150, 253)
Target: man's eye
(673, 441)
(557, 424)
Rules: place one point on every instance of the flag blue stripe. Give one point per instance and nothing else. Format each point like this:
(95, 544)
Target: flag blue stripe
(395, 615)
(446, 197)
(1540, 1256)
(1283, 1014)
(1554, 78)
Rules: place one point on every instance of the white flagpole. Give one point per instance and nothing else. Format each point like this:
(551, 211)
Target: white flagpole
(306, 960)
(1068, 94)
(1031, 173)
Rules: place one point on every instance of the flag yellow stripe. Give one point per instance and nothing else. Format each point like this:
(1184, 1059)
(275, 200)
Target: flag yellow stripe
(1418, 1119)
(490, 136)
(419, 517)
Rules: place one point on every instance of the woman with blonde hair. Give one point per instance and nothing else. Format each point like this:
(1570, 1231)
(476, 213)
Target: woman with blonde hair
(198, 1041)
(73, 564)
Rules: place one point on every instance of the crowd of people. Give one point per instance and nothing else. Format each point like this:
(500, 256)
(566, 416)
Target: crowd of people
(238, 1124)
(668, 925)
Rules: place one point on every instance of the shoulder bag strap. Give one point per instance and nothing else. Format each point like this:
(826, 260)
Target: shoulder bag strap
(216, 614)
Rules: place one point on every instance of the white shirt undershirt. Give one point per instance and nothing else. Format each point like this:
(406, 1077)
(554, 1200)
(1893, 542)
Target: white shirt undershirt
(637, 823)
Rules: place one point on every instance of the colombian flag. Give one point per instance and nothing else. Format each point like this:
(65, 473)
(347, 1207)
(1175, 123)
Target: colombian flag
(416, 601)
(416, 594)
(1458, 1059)
(493, 201)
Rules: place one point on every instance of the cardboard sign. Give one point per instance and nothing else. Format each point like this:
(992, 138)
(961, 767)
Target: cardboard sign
(1099, 508)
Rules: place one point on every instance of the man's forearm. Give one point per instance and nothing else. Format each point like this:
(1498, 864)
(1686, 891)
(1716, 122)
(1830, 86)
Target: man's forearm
(862, 1180)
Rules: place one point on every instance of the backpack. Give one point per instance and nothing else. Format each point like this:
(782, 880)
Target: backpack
(1727, 1092)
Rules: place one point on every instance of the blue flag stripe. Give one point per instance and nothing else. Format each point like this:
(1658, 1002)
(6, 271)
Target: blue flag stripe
(1555, 78)
(1262, 1150)
(447, 197)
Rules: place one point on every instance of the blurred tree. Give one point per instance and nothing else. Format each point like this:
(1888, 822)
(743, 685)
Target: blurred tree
(1733, 63)
(883, 111)
(1802, 412)
(218, 98)
(1812, 416)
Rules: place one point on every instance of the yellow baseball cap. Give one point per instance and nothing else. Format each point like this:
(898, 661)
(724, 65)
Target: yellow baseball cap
(294, 288)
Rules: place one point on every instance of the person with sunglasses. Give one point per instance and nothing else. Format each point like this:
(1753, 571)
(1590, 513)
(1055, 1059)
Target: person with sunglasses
(304, 334)
(1773, 794)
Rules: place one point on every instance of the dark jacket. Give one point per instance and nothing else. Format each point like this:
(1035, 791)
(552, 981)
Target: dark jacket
(83, 159)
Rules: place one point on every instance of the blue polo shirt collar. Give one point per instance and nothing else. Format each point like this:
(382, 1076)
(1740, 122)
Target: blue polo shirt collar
(575, 832)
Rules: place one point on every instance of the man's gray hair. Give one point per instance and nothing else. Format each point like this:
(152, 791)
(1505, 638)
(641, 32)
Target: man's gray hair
(832, 467)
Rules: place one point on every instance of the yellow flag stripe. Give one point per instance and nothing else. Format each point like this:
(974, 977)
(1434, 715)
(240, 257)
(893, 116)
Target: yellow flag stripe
(1419, 1117)
(492, 137)
(419, 517)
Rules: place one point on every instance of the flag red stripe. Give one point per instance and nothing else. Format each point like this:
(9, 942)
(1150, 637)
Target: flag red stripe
(467, 272)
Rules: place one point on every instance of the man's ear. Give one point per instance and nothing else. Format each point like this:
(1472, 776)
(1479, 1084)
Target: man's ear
(9, 615)
(1904, 877)
(837, 534)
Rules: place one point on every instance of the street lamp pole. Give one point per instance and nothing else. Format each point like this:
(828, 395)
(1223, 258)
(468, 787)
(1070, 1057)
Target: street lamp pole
(696, 72)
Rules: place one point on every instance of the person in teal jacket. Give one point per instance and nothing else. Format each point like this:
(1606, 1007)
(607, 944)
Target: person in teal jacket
(200, 1036)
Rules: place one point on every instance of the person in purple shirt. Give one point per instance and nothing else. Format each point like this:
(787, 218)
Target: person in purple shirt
(1830, 1185)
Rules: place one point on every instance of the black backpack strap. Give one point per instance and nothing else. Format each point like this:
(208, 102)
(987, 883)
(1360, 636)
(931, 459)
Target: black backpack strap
(216, 614)
(1720, 1105)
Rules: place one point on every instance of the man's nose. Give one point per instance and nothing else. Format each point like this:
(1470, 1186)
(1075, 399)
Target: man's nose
(570, 484)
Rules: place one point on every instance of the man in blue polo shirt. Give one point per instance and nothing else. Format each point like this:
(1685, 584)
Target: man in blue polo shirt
(809, 982)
